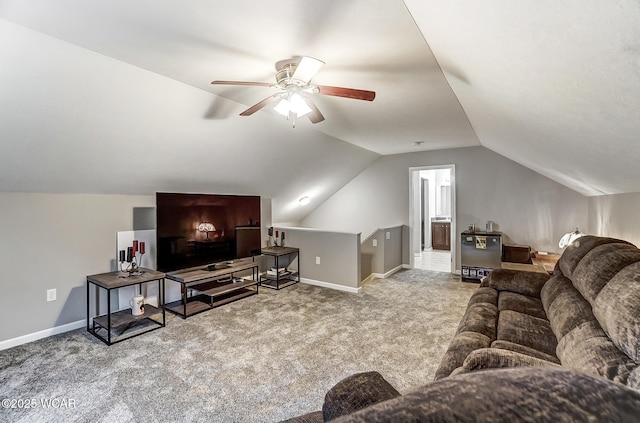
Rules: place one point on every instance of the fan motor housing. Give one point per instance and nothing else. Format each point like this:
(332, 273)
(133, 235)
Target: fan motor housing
(284, 77)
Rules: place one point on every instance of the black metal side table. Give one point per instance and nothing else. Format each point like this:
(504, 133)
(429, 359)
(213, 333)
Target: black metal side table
(281, 274)
(123, 321)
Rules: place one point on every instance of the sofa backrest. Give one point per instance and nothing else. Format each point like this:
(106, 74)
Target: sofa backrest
(576, 251)
(596, 317)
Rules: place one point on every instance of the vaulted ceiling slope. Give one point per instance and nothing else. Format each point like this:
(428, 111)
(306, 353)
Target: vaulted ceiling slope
(75, 121)
(552, 85)
(116, 96)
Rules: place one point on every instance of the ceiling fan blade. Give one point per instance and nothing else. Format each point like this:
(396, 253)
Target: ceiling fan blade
(314, 116)
(347, 92)
(251, 110)
(307, 69)
(259, 84)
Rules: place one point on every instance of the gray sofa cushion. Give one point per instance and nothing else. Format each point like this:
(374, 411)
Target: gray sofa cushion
(634, 379)
(532, 332)
(521, 303)
(572, 256)
(587, 348)
(525, 283)
(600, 265)
(617, 308)
(490, 358)
(510, 395)
(480, 318)
(565, 307)
(484, 295)
(460, 347)
(522, 349)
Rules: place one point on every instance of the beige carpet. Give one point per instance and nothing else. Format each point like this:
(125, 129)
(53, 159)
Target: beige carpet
(262, 359)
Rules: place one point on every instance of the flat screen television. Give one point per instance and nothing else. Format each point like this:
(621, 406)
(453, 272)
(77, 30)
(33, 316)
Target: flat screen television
(202, 229)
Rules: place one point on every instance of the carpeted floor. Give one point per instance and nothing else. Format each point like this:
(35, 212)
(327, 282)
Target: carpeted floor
(262, 359)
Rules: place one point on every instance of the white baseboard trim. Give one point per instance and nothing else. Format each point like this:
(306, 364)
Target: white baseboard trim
(384, 275)
(368, 279)
(394, 270)
(331, 285)
(389, 273)
(25, 339)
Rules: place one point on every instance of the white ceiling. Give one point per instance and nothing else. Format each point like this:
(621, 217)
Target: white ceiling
(553, 85)
(116, 96)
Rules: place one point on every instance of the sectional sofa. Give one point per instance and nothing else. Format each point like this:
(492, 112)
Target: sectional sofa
(586, 316)
(530, 347)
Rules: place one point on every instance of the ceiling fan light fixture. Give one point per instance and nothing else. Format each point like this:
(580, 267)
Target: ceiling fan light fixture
(298, 74)
(293, 80)
(294, 104)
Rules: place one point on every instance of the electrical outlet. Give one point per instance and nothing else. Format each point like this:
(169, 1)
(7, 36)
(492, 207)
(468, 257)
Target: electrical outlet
(375, 242)
(388, 235)
(51, 294)
(317, 259)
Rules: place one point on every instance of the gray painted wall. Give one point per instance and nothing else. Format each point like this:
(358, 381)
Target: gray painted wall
(392, 241)
(54, 241)
(386, 255)
(615, 216)
(528, 207)
(370, 259)
(339, 254)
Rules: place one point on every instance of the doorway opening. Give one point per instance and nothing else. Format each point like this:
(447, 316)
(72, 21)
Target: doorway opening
(432, 219)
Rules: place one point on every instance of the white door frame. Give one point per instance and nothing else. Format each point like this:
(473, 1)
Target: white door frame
(426, 226)
(415, 226)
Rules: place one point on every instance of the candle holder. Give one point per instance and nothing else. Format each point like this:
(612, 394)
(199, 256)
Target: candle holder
(132, 268)
(270, 238)
(133, 263)
(139, 258)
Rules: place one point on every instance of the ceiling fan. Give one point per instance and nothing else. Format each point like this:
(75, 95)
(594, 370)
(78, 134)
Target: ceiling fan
(293, 80)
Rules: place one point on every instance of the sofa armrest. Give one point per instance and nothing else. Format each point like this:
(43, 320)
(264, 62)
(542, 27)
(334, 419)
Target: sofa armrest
(545, 395)
(492, 358)
(526, 283)
(356, 392)
(313, 417)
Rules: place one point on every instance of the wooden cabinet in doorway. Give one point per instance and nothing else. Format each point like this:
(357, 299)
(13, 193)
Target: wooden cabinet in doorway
(441, 235)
